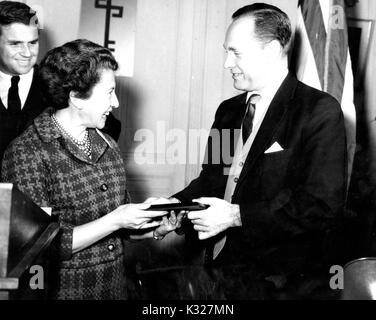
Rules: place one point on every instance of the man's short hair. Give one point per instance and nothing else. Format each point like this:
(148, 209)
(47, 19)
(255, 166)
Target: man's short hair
(270, 22)
(75, 66)
(16, 12)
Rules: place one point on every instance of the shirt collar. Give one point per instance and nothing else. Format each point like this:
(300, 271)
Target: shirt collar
(7, 77)
(272, 88)
(111, 145)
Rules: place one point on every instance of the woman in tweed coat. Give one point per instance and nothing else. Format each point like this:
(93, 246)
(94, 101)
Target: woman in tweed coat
(63, 161)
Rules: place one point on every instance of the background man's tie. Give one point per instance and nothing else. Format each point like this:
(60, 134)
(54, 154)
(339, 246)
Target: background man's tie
(249, 115)
(14, 101)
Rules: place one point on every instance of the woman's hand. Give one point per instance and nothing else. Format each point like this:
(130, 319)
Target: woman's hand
(135, 217)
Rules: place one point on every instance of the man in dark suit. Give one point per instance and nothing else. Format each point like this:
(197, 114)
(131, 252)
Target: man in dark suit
(21, 99)
(274, 211)
(20, 92)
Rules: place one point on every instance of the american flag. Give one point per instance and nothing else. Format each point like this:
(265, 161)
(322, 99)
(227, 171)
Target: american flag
(322, 60)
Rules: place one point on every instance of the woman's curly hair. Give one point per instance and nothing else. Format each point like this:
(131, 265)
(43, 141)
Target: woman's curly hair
(75, 66)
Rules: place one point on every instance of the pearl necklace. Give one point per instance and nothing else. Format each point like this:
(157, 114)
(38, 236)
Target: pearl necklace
(84, 144)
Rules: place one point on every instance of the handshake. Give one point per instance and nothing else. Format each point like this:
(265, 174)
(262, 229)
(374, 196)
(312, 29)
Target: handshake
(157, 217)
(164, 216)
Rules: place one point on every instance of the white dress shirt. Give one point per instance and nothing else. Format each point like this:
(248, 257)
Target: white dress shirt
(242, 150)
(23, 87)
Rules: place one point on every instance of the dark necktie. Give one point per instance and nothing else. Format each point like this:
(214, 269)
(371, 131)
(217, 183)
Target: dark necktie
(14, 102)
(219, 241)
(249, 115)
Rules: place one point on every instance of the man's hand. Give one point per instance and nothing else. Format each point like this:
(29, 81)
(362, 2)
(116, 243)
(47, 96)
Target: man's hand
(220, 216)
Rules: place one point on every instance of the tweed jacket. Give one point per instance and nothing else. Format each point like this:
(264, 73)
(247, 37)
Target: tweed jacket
(53, 172)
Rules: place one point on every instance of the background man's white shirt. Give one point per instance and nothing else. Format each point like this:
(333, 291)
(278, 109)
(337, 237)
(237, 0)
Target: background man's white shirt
(23, 87)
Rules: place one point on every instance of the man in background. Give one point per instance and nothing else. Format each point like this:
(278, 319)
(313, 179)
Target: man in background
(21, 99)
(20, 92)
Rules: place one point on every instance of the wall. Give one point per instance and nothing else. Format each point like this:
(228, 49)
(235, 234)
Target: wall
(60, 20)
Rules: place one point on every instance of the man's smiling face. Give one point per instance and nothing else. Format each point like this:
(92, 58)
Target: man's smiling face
(19, 47)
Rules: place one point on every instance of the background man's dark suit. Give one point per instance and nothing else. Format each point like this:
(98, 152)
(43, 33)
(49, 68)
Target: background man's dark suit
(291, 200)
(12, 125)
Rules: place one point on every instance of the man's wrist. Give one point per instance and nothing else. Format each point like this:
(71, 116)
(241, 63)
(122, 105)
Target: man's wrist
(157, 236)
(236, 215)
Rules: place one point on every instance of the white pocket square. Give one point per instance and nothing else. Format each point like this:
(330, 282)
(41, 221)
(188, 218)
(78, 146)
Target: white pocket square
(274, 148)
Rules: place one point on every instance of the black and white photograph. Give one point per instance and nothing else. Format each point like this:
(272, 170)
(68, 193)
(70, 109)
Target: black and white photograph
(184, 156)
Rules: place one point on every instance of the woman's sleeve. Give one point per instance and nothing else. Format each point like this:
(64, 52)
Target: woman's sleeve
(23, 166)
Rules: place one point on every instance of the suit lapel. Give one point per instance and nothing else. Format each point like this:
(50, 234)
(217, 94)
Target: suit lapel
(2, 106)
(33, 91)
(270, 124)
(234, 116)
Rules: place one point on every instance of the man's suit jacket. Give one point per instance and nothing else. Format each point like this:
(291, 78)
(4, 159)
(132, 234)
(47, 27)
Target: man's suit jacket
(290, 201)
(11, 126)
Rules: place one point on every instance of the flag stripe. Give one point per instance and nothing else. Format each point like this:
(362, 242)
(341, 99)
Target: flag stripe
(324, 47)
(315, 27)
(338, 48)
